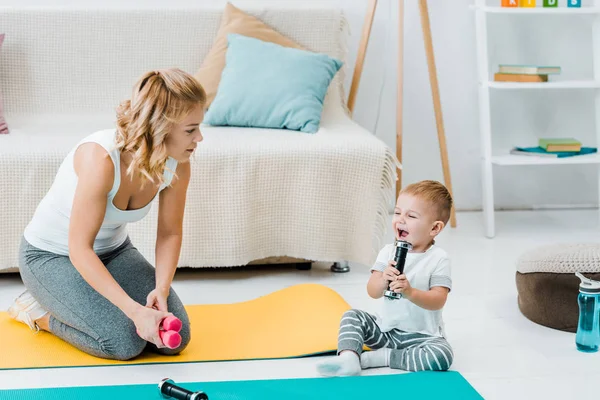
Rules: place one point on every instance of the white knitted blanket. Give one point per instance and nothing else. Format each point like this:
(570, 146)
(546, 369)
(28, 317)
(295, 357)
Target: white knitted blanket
(561, 259)
(255, 193)
(61, 60)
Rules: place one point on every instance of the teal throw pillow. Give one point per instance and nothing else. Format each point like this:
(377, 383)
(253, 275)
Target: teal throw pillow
(265, 85)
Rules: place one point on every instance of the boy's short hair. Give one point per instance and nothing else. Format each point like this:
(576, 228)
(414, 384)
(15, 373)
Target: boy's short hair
(436, 194)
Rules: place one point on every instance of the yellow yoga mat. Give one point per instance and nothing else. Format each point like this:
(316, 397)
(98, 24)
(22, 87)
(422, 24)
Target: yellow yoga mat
(297, 321)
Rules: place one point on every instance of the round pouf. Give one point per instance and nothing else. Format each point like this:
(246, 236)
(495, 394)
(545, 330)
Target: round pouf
(547, 286)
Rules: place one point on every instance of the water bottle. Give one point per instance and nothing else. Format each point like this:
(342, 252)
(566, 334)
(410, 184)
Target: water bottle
(588, 329)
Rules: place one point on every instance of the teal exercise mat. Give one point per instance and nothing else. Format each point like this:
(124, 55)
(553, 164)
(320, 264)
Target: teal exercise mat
(415, 385)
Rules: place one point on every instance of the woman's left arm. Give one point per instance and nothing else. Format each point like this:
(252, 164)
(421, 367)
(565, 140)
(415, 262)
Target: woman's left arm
(170, 227)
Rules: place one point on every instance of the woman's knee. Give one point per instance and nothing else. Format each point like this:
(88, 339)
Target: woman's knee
(186, 334)
(123, 347)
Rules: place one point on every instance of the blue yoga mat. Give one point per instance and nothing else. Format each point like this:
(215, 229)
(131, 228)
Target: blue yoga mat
(416, 385)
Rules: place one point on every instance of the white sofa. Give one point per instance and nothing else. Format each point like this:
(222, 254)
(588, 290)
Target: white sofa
(256, 194)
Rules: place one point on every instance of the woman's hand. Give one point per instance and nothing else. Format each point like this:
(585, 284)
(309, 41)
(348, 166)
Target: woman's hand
(157, 299)
(147, 322)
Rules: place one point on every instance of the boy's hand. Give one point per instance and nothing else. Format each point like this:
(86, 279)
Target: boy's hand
(400, 285)
(390, 273)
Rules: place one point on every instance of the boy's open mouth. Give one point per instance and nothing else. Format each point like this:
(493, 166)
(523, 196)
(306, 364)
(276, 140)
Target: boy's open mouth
(402, 233)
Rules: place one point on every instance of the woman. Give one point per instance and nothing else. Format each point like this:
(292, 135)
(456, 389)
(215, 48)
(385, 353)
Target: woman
(86, 282)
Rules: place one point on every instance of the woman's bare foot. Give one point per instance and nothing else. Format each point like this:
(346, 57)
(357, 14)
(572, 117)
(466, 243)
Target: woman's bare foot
(44, 323)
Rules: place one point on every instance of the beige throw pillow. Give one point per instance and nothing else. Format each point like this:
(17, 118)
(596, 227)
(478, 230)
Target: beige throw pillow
(234, 20)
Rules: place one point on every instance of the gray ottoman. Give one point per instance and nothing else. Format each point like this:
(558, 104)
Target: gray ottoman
(547, 286)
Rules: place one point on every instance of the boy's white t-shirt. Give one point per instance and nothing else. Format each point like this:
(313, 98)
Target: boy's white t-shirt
(423, 271)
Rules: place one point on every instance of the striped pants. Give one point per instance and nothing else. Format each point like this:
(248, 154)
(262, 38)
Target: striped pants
(410, 351)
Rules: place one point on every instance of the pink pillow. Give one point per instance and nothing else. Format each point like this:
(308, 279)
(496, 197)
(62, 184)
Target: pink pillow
(3, 125)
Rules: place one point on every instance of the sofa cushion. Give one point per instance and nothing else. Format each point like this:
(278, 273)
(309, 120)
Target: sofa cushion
(114, 47)
(234, 20)
(265, 85)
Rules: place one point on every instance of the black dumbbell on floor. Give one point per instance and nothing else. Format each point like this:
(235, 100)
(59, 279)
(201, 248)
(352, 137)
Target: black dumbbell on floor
(169, 390)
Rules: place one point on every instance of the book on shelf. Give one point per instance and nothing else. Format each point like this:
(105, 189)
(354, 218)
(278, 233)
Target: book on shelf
(540, 152)
(528, 69)
(560, 144)
(500, 77)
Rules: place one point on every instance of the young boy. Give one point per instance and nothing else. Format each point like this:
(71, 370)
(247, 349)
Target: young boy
(409, 332)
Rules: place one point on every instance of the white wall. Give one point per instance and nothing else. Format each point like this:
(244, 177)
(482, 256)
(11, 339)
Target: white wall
(518, 117)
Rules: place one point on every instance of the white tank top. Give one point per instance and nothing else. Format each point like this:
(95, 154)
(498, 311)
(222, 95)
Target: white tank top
(49, 227)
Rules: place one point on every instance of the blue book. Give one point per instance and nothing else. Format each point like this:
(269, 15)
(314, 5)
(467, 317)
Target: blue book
(539, 151)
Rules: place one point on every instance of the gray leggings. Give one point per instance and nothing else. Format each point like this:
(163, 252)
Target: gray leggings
(410, 351)
(83, 317)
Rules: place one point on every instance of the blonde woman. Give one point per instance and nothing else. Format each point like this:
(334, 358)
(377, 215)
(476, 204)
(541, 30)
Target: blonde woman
(86, 282)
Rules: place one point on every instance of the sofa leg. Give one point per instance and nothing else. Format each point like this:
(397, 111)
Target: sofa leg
(303, 266)
(341, 266)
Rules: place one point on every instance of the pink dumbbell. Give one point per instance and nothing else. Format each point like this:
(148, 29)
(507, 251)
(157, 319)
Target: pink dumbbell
(170, 332)
(171, 339)
(171, 323)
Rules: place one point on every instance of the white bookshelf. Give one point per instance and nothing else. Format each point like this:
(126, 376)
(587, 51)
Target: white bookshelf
(490, 160)
(538, 10)
(545, 85)
(511, 159)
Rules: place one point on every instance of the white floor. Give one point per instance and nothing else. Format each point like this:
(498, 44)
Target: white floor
(501, 353)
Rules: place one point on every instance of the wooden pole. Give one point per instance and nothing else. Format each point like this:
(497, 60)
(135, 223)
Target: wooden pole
(399, 92)
(435, 92)
(362, 52)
